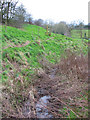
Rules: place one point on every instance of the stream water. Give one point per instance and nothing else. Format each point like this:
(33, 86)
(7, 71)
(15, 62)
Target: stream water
(41, 108)
(42, 103)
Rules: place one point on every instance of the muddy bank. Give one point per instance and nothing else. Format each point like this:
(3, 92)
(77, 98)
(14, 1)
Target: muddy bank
(39, 100)
(56, 91)
(60, 87)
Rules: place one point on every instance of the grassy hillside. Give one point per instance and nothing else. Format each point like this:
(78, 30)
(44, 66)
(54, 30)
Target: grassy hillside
(38, 45)
(27, 50)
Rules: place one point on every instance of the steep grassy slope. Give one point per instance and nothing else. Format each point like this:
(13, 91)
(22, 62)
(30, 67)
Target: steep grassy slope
(27, 46)
(27, 53)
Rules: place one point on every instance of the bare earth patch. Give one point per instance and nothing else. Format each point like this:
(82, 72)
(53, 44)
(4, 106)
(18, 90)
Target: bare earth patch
(12, 45)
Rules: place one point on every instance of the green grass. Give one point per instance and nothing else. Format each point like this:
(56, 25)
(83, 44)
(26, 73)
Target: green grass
(77, 33)
(54, 45)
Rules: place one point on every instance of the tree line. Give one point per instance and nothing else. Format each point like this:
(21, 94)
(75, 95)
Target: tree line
(13, 15)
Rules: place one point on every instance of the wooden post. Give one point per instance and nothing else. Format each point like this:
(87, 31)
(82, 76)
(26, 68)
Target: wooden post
(47, 30)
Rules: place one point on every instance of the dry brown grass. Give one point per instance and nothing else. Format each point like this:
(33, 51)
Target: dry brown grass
(70, 79)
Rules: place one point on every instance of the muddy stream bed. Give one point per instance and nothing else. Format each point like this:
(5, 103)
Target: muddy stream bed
(40, 106)
(54, 88)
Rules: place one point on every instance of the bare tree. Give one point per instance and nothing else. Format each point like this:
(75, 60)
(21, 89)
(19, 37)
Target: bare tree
(7, 10)
(81, 25)
(60, 28)
(19, 16)
(38, 22)
(28, 18)
(71, 27)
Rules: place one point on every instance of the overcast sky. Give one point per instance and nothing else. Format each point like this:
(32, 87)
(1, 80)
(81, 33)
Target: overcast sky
(58, 10)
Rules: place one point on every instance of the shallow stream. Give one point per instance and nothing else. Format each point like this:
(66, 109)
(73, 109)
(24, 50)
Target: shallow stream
(41, 107)
(42, 104)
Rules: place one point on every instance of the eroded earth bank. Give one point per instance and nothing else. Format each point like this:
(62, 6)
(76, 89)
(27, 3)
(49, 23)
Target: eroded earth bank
(57, 91)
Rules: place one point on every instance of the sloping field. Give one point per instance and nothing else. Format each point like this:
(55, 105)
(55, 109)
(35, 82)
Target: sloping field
(29, 57)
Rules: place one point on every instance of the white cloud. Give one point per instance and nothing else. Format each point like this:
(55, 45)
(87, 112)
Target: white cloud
(58, 10)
